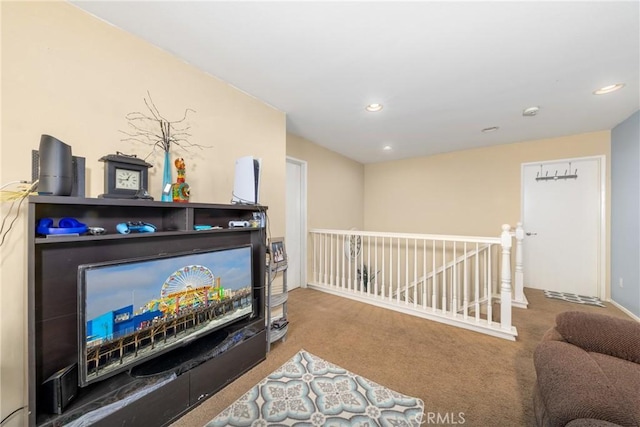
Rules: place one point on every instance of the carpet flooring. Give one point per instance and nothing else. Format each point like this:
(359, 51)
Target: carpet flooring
(310, 391)
(463, 377)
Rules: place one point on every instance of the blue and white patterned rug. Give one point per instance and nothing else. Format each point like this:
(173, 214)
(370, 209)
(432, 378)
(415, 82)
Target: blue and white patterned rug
(309, 391)
(578, 299)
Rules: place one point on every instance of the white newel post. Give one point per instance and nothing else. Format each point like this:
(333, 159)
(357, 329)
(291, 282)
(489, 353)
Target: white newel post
(519, 278)
(505, 278)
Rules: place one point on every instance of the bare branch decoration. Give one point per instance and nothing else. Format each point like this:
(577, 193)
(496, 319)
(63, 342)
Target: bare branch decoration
(155, 130)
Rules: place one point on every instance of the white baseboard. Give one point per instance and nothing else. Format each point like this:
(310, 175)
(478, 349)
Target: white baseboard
(625, 310)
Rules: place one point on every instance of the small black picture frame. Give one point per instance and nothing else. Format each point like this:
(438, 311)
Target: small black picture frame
(278, 251)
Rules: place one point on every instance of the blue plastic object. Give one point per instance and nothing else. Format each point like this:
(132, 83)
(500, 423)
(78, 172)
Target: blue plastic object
(202, 227)
(65, 226)
(135, 226)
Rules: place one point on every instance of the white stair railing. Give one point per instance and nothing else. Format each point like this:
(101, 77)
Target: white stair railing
(450, 279)
(519, 299)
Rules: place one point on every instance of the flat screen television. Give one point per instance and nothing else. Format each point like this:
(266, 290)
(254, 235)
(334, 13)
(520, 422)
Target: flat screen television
(133, 310)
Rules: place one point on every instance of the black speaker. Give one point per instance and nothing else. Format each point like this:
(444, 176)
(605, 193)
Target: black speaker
(60, 389)
(56, 167)
(44, 187)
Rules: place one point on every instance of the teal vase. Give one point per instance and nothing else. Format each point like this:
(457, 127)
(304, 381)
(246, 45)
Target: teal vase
(166, 179)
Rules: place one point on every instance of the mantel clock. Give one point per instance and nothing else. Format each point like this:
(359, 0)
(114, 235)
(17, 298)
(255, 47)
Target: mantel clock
(125, 177)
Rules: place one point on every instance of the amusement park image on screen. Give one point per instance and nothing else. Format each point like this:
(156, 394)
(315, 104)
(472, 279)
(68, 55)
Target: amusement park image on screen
(133, 310)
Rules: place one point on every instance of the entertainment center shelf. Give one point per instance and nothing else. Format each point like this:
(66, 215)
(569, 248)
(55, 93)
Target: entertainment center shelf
(167, 217)
(85, 238)
(197, 369)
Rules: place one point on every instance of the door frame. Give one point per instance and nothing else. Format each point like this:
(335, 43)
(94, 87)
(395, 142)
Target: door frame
(602, 289)
(303, 217)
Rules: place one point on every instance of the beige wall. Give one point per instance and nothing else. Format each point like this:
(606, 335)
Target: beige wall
(72, 76)
(335, 190)
(468, 192)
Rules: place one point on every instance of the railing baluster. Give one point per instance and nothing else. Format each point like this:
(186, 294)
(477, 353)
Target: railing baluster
(382, 285)
(369, 274)
(375, 278)
(338, 272)
(434, 278)
(322, 242)
(415, 272)
(331, 261)
(459, 283)
(454, 284)
(342, 258)
(398, 284)
(444, 277)
(505, 286)
(424, 273)
(315, 256)
(391, 269)
(325, 260)
(320, 252)
(361, 270)
(488, 288)
(477, 284)
(519, 274)
(465, 284)
(406, 271)
(348, 255)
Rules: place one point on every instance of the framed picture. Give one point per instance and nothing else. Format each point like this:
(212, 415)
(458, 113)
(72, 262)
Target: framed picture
(278, 252)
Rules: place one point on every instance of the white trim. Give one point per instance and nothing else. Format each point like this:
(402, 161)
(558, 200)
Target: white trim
(602, 287)
(520, 304)
(438, 237)
(625, 310)
(602, 162)
(304, 241)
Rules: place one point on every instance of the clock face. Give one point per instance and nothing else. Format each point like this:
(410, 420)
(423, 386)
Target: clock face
(127, 179)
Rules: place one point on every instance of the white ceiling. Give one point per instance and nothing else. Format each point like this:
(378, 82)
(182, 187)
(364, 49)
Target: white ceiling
(443, 70)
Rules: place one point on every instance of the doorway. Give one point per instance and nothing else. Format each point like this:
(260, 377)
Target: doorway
(563, 214)
(296, 223)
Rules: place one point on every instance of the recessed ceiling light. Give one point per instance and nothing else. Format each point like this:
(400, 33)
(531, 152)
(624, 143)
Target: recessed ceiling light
(387, 148)
(491, 129)
(608, 89)
(530, 112)
(372, 108)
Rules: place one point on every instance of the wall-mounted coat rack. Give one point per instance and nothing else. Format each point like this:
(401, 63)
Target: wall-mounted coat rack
(568, 174)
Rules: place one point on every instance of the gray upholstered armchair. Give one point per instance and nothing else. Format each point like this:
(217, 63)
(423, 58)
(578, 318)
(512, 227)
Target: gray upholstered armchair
(588, 372)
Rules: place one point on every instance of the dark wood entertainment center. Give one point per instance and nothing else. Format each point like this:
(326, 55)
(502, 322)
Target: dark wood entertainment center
(202, 367)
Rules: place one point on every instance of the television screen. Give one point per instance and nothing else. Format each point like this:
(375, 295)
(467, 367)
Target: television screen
(136, 309)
